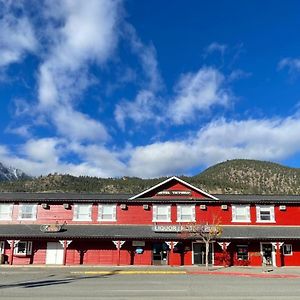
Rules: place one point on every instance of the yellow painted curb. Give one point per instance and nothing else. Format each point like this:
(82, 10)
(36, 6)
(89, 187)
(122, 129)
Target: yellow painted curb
(127, 272)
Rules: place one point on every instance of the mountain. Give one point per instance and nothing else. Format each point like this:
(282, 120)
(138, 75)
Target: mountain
(242, 176)
(9, 173)
(239, 176)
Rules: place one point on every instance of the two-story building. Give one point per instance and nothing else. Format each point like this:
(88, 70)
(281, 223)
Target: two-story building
(147, 229)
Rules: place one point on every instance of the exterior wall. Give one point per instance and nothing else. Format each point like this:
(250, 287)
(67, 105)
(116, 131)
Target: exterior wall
(136, 214)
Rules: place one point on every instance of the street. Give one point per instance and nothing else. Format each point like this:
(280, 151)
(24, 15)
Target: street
(63, 284)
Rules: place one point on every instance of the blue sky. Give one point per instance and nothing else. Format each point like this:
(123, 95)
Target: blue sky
(147, 88)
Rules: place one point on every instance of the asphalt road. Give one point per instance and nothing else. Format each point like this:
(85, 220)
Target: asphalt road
(62, 284)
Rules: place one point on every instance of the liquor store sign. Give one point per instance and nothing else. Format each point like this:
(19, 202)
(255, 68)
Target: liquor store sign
(172, 228)
(174, 193)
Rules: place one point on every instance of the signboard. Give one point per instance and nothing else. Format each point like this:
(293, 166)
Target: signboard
(168, 228)
(51, 228)
(186, 228)
(138, 243)
(174, 193)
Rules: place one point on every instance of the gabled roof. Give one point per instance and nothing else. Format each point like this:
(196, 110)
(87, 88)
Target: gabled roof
(178, 180)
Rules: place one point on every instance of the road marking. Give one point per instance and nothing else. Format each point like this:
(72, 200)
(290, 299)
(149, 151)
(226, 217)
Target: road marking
(127, 272)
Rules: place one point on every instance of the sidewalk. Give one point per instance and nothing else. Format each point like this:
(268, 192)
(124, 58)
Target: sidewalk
(282, 272)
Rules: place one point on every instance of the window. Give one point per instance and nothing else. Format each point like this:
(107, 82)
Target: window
(240, 213)
(265, 213)
(82, 212)
(242, 252)
(185, 213)
(287, 249)
(107, 212)
(27, 211)
(6, 211)
(161, 213)
(2, 247)
(23, 248)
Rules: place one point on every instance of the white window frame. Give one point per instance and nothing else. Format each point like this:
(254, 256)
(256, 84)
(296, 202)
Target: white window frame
(76, 208)
(284, 252)
(28, 248)
(192, 213)
(10, 209)
(234, 213)
(155, 211)
(2, 245)
(265, 207)
(100, 212)
(34, 211)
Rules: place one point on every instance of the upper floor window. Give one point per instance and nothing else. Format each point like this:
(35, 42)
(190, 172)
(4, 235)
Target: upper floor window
(6, 211)
(27, 211)
(185, 213)
(240, 213)
(23, 248)
(161, 213)
(107, 212)
(265, 213)
(82, 212)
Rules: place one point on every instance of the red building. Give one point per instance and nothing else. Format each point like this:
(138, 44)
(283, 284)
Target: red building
(146, 229)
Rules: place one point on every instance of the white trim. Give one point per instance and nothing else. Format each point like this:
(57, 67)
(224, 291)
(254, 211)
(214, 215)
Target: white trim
(2, 247)
(100, 213)
(75, 212)
(28, 248)
(34, 211)
(179, 213)
(233, 213)
(154, 213)
(273, 252)
(10, 209)
(179, 180)
(271, 210)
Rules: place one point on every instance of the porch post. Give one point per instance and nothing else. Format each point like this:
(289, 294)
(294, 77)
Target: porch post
(65, 244)
(12, 246)
(118, 245)
(278, 254)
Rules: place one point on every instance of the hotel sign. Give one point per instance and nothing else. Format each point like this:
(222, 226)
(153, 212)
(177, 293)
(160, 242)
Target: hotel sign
(174, 193)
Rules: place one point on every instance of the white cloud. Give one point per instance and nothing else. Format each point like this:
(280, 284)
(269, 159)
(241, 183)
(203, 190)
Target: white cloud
(292, 64)
(142, 109)
(88, 35)
(220, 140)
(17, 36)
(147, 57)
(216, 47)
(78, 126)
(266, 139)
(197, 93)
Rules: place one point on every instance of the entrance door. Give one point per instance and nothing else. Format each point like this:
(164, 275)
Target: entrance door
(267, 254)
(160, 254)
(199, 254)
(54, 253)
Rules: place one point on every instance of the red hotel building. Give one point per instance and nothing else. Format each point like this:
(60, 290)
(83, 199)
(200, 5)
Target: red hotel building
(144, 229)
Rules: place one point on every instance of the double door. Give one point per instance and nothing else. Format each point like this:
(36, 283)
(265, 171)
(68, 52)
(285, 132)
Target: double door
(160, 252)
(199, 257)
(54, 253)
